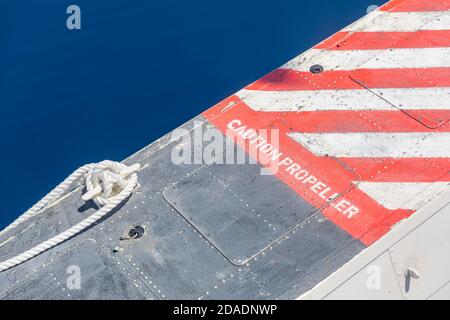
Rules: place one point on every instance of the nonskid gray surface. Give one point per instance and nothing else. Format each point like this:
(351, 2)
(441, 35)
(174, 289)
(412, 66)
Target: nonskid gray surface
(174, 260)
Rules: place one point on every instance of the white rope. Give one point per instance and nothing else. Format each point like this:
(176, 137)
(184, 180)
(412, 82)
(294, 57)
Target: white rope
(108, 183)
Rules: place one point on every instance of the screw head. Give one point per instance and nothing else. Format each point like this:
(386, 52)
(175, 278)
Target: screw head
(317, 68)
(136, 232)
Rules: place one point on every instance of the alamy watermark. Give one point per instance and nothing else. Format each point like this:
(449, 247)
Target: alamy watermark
(73, 281)
(239, 145)
(371, 8)
(73, 21)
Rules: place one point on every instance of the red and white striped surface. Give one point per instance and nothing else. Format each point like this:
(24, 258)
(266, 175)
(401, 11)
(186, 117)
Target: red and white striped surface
(377, 117)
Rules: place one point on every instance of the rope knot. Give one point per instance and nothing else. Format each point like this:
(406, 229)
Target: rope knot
(108, 183)
(106, 180)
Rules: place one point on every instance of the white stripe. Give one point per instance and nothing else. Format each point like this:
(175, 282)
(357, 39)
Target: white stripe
(396, 195)
(323, 100)
(380, 144)
(371, 59)
(402, 21)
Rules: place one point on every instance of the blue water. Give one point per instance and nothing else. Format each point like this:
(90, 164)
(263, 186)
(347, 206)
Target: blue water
(135, 70)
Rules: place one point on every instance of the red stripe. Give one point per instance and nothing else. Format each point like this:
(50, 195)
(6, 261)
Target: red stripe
(391, 4)
(400, 170)
(359, 121)
(432, 119)
(378, 225)
(386, 40)
(287, 79)
(416, 5)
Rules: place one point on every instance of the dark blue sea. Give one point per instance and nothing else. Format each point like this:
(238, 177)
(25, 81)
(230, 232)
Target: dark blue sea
(135, 70)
